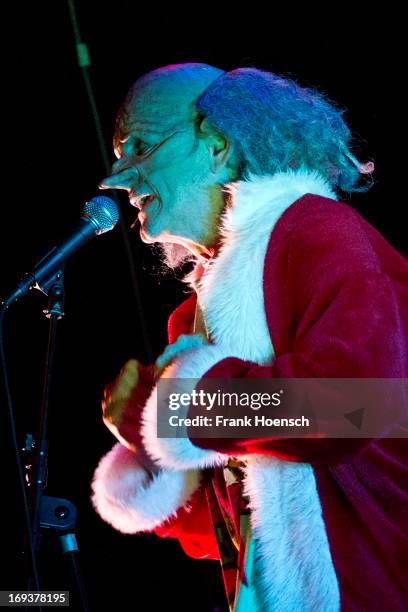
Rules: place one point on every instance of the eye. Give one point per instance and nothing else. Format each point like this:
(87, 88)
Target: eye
(139, 147)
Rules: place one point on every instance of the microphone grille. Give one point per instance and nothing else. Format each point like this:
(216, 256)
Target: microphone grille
(103, 212)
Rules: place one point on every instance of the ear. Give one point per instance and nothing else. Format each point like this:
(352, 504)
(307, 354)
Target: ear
(217, 143)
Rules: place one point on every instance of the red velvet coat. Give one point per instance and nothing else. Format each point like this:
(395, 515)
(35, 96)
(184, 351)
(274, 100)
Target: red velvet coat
(336, 305)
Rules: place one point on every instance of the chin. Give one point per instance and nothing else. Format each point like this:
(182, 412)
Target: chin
(145, 237)
(149, 235)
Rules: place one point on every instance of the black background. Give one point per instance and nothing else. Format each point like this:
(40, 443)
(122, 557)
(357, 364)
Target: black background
(52, 164)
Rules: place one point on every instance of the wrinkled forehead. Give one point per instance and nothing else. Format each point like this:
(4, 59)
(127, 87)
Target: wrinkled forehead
(160, 102)
(155, 106)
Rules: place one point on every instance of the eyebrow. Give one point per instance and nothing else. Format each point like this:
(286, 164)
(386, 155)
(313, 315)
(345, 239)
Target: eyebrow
(122, 135)
(118, 147)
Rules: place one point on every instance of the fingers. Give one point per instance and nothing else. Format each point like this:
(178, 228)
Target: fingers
(115, 431)
(158, 370)
(126, 380)
(185, 342)
(116, 393)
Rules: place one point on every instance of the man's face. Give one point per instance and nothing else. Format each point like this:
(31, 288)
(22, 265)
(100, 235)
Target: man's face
(172, 176)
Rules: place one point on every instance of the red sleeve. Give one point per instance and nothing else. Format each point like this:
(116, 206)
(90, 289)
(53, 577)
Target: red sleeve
(346, 323)
(193, 528)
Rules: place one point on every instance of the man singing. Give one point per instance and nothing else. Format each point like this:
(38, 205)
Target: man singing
(242, 172)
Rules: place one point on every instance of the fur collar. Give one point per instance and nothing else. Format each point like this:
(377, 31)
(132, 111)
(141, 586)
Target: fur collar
(230, 292)
(259, 201)
(271, 195)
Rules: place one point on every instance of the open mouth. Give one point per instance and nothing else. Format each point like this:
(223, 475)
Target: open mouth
(140, 202)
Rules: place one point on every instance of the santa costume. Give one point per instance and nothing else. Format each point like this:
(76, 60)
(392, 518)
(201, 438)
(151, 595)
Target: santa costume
(302, 287)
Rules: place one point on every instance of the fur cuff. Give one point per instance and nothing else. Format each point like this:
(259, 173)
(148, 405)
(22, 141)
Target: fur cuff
(179, 452)
(126, 498)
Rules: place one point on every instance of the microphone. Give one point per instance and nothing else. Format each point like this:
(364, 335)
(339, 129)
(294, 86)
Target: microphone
(99, 215)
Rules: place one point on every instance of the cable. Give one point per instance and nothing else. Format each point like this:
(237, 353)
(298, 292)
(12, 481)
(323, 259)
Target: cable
(14, 442)
(84, 62)
(73, 555)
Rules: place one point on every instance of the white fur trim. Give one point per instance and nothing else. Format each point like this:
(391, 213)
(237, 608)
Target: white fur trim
(230, 291)
(295, 567)
(126, 498)
(179, 452)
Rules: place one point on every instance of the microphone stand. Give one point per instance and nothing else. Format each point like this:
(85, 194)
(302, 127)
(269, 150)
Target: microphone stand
(47, 512)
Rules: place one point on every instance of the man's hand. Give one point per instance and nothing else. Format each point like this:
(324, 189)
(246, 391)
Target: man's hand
(124, 399)
(183, 344)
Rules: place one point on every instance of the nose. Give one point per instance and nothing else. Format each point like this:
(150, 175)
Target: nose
(125, 179)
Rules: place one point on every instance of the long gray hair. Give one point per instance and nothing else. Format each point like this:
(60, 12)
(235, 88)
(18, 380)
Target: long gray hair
(275, 125)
